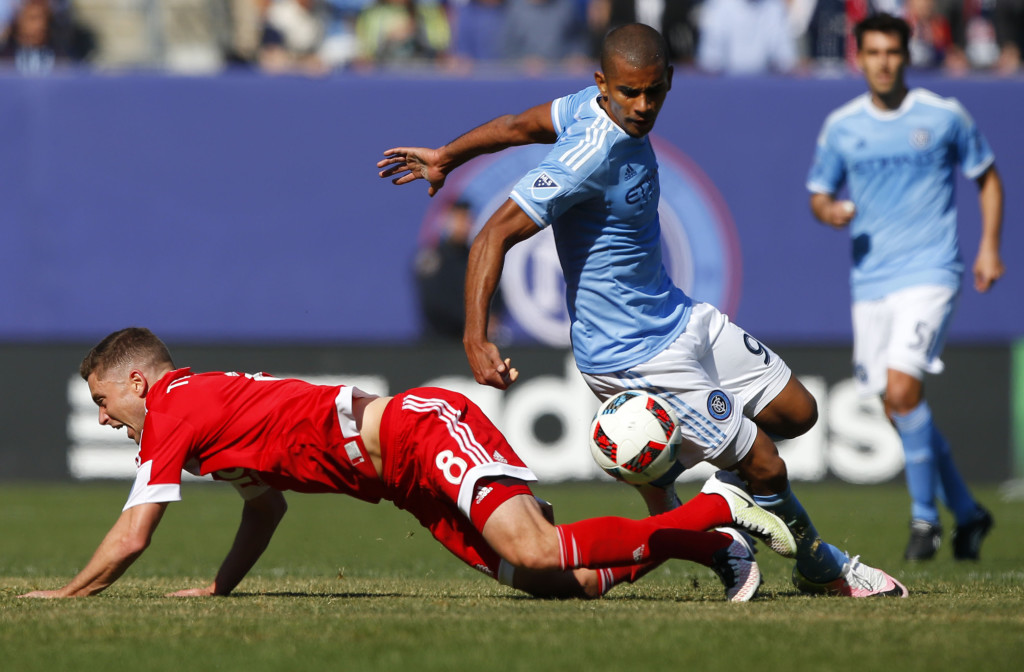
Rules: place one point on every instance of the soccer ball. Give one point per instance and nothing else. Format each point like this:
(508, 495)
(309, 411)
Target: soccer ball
(635, 437)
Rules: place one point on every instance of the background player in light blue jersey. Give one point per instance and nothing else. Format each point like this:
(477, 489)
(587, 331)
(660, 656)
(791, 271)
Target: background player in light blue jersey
(631, 327)
(897, 151)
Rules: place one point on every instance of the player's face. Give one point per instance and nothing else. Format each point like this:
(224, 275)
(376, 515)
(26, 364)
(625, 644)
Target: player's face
(634, 96)
(120, 402)
(883, 61)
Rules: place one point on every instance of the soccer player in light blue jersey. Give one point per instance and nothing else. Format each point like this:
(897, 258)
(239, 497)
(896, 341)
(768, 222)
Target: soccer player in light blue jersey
(631, 327)
(897, 152)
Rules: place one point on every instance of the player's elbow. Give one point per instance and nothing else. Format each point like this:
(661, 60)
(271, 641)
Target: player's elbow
(523, 129)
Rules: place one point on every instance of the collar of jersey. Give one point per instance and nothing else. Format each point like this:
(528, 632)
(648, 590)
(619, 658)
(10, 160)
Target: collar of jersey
(889, 115)
(601, 113)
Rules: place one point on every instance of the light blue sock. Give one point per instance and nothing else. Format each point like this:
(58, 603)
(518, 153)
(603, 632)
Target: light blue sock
(954, 491)
(915, 429)
(817, 561)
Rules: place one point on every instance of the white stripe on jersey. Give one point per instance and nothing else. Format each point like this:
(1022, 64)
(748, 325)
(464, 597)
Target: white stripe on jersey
(555, 114)
(528, 208)
(458, 430)
(927, 97)
(847, 109)
(143, 492)
(575, 157)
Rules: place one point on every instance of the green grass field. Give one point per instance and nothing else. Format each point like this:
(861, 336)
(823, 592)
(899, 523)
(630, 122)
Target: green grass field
(350, 586)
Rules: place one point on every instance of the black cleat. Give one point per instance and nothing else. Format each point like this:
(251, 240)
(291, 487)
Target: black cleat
(925, 539)
(967, 538)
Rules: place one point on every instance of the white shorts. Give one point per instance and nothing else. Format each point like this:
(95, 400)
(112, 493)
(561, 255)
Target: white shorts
(904, 331)
(716, 377)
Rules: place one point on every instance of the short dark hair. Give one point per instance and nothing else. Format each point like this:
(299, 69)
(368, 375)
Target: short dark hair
(134, 345)
(636, 43)
(883, 23)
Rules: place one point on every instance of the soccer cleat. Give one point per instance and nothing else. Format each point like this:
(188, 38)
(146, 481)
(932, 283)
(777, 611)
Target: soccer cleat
(750, 517)
(925, 539)
(736, 566)
(967, 538)
(856, 580)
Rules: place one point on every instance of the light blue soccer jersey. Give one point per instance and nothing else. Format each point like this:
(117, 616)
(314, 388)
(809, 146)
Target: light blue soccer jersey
(598, 191)
(900, 167)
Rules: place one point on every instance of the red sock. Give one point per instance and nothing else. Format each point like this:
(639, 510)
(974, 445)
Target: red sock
(612, 576)
(703, 512)
(616, 542)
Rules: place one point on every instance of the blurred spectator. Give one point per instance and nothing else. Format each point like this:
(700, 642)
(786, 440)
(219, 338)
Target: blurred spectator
(402, 31)
(826, 34)
(1009, 27)
(441, 279)
(745, 37)
(292, 33)
(7, 9)
(674, 19)
(341, 46)
(541, 33)
(931, 37)
(977, 33)
(477, 26)
(37, 39)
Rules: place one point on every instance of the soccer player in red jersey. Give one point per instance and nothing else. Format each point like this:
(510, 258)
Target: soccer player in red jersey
(428, 450)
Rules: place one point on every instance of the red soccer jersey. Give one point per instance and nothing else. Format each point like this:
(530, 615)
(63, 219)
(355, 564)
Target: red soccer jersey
(253, 430)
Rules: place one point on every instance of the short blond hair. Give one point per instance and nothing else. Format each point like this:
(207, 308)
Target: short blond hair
(134, 346)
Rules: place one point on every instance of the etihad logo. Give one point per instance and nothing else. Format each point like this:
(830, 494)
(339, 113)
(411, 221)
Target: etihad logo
(644, 191)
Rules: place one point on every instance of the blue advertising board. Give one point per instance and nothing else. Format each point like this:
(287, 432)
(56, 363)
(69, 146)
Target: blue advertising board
(241, 208)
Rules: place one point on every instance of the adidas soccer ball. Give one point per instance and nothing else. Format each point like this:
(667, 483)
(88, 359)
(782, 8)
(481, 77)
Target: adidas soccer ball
(634, 437)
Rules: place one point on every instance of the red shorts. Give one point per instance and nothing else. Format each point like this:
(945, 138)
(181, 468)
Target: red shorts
(446, 463)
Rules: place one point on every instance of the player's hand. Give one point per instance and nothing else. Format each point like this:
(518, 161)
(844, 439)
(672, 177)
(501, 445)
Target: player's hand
(413, 163)
(988, 268)
(488, 366)
(43, 594)
(840, 213)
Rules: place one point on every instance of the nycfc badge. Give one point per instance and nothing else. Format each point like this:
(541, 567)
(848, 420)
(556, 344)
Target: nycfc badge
(718, 405)
(921, 139)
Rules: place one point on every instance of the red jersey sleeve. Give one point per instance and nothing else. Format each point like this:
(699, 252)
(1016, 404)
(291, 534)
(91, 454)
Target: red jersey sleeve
(164, 447)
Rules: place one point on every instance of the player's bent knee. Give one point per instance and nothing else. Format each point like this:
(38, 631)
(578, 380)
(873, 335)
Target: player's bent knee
(533, 556)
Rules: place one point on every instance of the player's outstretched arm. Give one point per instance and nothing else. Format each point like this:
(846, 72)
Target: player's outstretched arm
(829, 211)
(122, 545)
(506, 227)
(988, 266)
(260, 517)
(406, 164)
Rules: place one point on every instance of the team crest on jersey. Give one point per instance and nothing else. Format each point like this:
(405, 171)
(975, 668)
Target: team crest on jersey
(544, 187)
(719, 405)
(921, 138)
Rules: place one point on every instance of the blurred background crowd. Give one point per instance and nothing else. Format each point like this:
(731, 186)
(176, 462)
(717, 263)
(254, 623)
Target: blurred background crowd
(320, 36)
